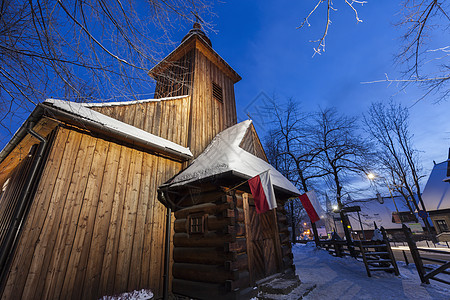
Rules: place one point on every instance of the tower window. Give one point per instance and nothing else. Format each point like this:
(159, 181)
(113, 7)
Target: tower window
(217, 92)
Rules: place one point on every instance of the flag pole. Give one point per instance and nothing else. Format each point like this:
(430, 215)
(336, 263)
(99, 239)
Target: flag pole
(316, 233)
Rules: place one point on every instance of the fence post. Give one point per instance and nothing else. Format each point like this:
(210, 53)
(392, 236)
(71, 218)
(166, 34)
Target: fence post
(389, 250)
(415, 254)
(337, 248)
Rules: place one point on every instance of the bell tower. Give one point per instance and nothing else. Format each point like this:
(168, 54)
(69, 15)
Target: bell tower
(195, 69)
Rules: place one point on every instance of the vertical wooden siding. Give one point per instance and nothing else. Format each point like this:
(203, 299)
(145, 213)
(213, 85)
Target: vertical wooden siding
(192, 121)
(168, 119)
(95, 226)
(252, 144)
(209, 116)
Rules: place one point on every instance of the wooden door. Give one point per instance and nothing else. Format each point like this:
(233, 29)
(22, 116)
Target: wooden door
(263, 242)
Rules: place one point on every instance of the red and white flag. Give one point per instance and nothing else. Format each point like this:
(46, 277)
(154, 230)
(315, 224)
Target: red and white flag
(262, 191)
(311, 204)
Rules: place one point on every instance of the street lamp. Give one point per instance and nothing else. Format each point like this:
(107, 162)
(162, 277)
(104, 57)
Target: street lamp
(372, 177)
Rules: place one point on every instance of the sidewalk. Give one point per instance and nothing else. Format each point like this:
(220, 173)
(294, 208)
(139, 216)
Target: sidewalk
(346, 278)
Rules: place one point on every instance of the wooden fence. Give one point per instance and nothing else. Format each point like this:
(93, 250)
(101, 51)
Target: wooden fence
(419, 255)
(376, 255)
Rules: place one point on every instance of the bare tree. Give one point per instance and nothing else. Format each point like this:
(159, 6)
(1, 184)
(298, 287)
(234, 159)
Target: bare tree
(342, 154)
(423, 50)
(329, 9)
(424, 54)
(288, 149)
(310, 150)
(293, 146)
(83, 50)
(399, 161)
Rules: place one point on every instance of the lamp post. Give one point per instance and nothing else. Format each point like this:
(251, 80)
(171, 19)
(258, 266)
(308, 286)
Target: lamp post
(346, 226)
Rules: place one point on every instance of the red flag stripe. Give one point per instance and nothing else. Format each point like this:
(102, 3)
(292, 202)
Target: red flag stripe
(309, 208)
(258, 195)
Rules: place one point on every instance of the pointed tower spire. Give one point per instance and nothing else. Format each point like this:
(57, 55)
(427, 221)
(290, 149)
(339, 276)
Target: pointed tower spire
(195, 69)
(197, 30)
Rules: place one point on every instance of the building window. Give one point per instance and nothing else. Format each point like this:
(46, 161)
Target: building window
(442, 225)
(217, 92)
(196, 224)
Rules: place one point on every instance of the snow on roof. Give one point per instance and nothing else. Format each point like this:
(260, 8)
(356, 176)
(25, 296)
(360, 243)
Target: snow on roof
(116, 125)
(101, 104)
(436, 194)
(381, 213)
(223, 154)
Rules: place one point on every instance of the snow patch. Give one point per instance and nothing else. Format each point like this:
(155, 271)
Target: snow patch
(102, 104)
(377, 235)
(134, 295)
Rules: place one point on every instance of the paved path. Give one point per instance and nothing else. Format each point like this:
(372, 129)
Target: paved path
(346, 278)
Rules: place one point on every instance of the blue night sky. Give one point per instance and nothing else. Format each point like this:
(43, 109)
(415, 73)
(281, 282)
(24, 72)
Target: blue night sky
(260, 41)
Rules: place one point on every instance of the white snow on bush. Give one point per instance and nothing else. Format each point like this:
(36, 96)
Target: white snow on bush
(134, 295)
(116, 125)
(224, 154)
(377, 235)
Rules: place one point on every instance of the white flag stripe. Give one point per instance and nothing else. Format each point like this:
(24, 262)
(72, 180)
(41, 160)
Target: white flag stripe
(267, 186)
(312, 196)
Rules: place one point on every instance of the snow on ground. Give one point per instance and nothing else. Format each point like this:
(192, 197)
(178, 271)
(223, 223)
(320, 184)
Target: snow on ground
(346, 278)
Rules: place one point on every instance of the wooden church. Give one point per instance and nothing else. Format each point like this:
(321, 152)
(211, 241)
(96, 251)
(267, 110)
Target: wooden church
(100, 199)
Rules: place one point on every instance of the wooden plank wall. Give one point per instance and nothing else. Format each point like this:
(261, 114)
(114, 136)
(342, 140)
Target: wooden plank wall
(252, 144)
(95, 226)
(264, 250)
(285, 239)
(194, 124)
(168, 119)
(209, 116)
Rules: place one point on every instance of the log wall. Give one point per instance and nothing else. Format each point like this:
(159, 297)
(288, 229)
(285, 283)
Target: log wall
(220, 262)
(95, 226)
(212, 264)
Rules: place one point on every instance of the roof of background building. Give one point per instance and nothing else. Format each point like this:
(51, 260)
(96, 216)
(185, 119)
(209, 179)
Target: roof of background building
(436, 194)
